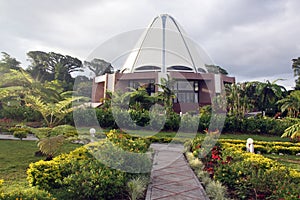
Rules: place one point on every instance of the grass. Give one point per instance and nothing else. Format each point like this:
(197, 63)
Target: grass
(15, 157)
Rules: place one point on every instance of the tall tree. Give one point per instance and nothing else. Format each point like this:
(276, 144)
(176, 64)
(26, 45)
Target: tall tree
(216, 69)
(53, 66)
(296, 68)
(238, 101)
(291, 104)
(98, 66)
(7, 62)
(268, 93)
(167, 94)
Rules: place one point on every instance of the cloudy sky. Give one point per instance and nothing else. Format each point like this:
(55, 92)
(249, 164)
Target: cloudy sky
(251, 39)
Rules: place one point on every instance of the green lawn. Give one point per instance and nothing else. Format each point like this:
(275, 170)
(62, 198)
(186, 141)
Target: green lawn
(15, 156)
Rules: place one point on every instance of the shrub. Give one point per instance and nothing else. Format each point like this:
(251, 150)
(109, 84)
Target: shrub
(216, 190)
(189, 123)
(27, 194)
(136, 187)
(140, 117)
(172, 122)
(21, 113)
(85, 117)
(105, 118)
(92, 172)
(65, 130)
(20, 134)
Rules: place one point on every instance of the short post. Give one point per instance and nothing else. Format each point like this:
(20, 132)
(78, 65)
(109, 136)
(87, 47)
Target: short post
(92, 133)
(249, 145)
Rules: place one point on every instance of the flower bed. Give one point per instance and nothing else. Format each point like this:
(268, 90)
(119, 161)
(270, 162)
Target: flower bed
(248, 175)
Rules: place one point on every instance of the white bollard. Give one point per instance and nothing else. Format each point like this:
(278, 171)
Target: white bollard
(92, 133)
(250, 145)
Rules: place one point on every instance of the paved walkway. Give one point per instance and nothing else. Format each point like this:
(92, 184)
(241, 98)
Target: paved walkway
(11, 137)
(171, 176)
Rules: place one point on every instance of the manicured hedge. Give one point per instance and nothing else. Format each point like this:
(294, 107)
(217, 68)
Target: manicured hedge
(266, 147)
(98, 171)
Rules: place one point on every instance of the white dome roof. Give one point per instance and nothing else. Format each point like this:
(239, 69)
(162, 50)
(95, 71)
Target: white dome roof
(164, 47)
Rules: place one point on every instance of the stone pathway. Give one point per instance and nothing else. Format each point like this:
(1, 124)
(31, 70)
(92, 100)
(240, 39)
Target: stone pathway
(171, 176)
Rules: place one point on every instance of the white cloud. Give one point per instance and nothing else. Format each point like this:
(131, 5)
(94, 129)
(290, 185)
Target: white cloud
(251, 38)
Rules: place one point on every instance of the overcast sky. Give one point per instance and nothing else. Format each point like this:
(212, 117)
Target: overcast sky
(251, 39)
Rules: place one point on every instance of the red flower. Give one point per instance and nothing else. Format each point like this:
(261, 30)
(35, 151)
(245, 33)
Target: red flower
(215, 156)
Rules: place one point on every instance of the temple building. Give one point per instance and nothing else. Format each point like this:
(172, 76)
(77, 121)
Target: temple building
(165, 51)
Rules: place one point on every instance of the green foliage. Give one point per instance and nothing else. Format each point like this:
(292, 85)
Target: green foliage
(27, 194)
(50, 145)
(256, 125)
(167, 95)
(54, 66)
(189, 123)
(20, 134)
(53, 113)
(140, 117)
(215, 69)
(65, 130)
(293, 132)
(136, 187)
(296, 68)
(105, 118)
(172, 122)
(87, 172)
(7, 62)
(98, 66)
(215, 190)
(20, 113)
(247, 175)
(291, 104)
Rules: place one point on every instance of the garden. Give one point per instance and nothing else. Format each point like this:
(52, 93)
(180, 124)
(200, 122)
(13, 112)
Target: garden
(64, 162)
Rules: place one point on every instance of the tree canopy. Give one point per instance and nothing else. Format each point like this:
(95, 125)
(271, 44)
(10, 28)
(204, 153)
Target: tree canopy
(216, 69)
(7, 62)
(98, 66)
(54, 66)
(296, 68)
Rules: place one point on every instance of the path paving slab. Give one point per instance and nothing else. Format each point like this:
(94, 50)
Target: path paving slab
(171, 176)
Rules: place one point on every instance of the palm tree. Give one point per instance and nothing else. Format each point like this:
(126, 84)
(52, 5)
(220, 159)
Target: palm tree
(291, 104)
(296, 68)
(238, 102)
(268, 93)
(167, 94)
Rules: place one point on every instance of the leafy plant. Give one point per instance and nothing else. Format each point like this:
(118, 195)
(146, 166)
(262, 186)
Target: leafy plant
(49, 146)
(20, 134)
(293, 132)
(136, 187)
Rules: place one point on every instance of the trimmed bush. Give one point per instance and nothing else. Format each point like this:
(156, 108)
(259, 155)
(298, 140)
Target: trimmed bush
(20, 134)
(92, 172)
(27, 194)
